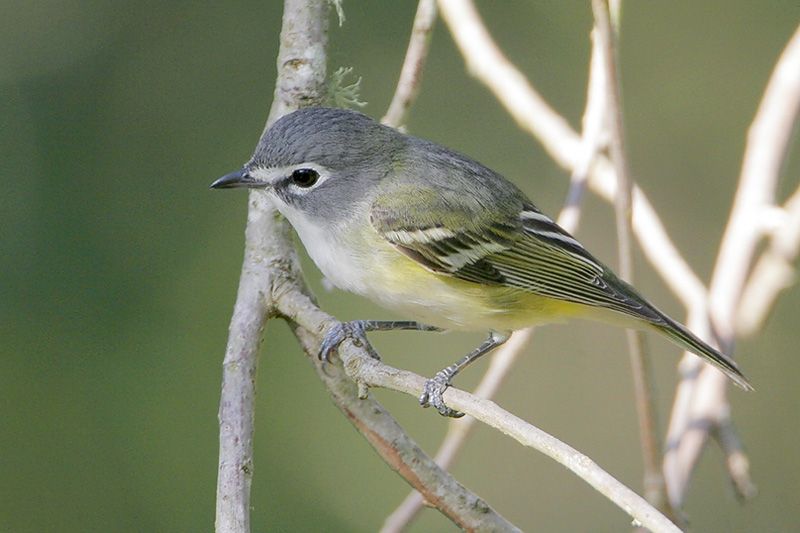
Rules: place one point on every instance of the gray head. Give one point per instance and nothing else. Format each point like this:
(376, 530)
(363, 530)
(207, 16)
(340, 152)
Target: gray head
(324, 163)
(302, 156)
(335, 138)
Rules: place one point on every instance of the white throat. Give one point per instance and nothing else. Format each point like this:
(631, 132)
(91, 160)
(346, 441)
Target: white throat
(325, 244)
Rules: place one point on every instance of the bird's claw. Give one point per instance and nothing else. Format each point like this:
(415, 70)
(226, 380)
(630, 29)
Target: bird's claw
(433, 392)
(355, 331)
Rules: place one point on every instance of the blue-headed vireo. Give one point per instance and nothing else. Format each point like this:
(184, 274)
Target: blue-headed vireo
(436, 236)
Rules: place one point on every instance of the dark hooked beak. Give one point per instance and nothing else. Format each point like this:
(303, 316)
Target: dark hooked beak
(240, 178)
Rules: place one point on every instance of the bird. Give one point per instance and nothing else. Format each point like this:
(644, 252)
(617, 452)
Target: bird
(438, 238)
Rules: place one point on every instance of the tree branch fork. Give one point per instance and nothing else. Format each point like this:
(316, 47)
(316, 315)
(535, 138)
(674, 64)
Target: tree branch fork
(367, 372)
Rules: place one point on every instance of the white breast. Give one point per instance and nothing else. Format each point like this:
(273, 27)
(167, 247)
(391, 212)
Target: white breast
(326, 247)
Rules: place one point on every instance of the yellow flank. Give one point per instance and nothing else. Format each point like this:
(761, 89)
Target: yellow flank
(403, 285)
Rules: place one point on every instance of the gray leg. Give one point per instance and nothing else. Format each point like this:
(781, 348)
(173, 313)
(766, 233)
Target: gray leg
(357, 332)
(435, 387)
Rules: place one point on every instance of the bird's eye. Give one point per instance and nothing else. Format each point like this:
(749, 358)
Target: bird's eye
(305, 177)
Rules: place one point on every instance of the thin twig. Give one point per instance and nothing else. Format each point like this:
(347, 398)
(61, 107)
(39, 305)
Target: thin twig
(413, 65)
(369, 372)
(770, 134)
(385, 435)
(459, 430)
(736, 461)
(701, 404)
(773, 272)
(767, 146)
(697, 411)
(301, 77)
(593, 140)
(605, 37)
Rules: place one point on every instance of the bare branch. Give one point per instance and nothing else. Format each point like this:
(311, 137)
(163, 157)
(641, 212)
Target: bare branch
(701, 407)
(391, 442)
(605, 40)
(459, 430)
(767, 145)
(593, 140)
(237, 410)
(769, 136)
(376, 374)
(697, 412)
(368, 372)
(301, 75)
(736, 462)
(773, 272)
(413, 65)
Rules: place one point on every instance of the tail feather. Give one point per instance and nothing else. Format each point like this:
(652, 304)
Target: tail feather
(684, 338)
(636, 306)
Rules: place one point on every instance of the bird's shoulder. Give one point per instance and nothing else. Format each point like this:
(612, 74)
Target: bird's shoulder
(430, 183)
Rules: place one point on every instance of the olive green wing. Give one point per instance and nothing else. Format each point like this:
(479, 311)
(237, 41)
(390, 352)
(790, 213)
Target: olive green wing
(520, 248)
(524, 249)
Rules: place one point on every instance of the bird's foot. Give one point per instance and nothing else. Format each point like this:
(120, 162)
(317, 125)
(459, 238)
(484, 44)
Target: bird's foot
(356, 331)
(433, 392)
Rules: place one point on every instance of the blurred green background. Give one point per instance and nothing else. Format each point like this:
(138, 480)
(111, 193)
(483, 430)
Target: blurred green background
(119, 266)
